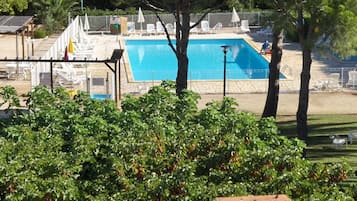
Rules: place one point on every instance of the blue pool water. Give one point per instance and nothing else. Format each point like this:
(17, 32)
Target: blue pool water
(154, 60)
(101, 96)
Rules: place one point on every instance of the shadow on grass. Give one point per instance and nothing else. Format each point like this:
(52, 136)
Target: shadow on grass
(330, 152)
(319, 125)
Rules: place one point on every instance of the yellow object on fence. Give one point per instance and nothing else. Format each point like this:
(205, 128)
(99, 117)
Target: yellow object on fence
(70, 46)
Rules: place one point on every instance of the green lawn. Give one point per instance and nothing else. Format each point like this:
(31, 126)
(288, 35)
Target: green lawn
(320, 147)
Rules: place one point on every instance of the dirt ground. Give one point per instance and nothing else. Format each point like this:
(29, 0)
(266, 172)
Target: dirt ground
(319, 102)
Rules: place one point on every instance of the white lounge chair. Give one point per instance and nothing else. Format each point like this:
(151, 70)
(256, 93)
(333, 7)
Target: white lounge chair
(159, 28)
(217, 27)
(244, 26)
(67, 74)
(23, 68)
(83, 47)
(205, 26)
(352, 79)
(150, 28)
(331, 83)
(338, 142)
(131, 27)
(170, 28)
(82, 37)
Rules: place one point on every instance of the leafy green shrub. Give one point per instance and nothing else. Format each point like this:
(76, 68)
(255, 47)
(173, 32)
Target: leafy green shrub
(40, 33)
(100, 12)
(157, 147)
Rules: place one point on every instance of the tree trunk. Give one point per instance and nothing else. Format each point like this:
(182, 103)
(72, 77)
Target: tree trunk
(301, 115)
(182, 37)
(271, 104)
(181, 79)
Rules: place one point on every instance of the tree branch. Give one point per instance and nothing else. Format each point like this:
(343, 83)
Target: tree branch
(166, 32)
(155, 8)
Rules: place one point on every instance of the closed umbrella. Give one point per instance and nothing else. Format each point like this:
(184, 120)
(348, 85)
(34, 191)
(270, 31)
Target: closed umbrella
(80, 31)
(141, 19)
(235, 17)
(65, 54)
(70, 46)
(86, 23)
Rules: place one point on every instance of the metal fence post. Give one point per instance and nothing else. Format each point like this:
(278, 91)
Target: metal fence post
(342, 78)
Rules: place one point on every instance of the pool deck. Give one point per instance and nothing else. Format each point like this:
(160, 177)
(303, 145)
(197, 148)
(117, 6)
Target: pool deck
(244, 90)
(291, 67)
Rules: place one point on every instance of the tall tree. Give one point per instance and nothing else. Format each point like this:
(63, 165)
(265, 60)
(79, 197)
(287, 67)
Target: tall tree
(181, 9)
(111, 4)
(11, 6)
(280, 18)
(53, 13)
(332, 21)
(271, 103)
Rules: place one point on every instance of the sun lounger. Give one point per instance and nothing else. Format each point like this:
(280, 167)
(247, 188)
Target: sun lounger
(83, 47)
(159, 28)
(244, 27)
(67, 74)
(170, 28)
(205, 27)
(352, 79)
(338, 142)
(131, 27)
(150, 28)
(331, 83)
(23, 67)
(217, 27)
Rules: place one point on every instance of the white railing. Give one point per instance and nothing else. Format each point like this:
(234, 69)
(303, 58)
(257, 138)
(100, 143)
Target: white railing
(56, 51)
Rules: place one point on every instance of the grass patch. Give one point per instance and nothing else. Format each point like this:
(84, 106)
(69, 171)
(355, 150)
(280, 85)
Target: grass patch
(320, 147)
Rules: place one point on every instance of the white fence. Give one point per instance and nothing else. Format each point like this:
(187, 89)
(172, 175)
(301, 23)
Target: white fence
(102, 23)
(56, 51)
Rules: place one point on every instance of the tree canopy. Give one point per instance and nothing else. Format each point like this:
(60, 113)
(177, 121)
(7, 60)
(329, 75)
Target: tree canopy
(53, 13)
(11, 6)
(157, 147)
(331, 24)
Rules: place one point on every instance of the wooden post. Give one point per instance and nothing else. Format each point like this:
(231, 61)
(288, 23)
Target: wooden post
(32, 37)
(23, 42)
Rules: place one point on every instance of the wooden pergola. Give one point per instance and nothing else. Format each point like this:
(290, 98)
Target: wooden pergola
(19, 25)
(115, 58)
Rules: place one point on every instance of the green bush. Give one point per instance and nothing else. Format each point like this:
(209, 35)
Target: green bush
(157, 147)
(40, 33)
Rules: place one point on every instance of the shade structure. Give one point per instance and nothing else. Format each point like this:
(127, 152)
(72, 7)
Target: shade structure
(70, 46)
(86, 23)
(141, 19)
(235, 17)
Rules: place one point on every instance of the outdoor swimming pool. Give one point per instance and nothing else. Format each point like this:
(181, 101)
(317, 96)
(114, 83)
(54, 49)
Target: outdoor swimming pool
(154, 60)
(101, 96)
